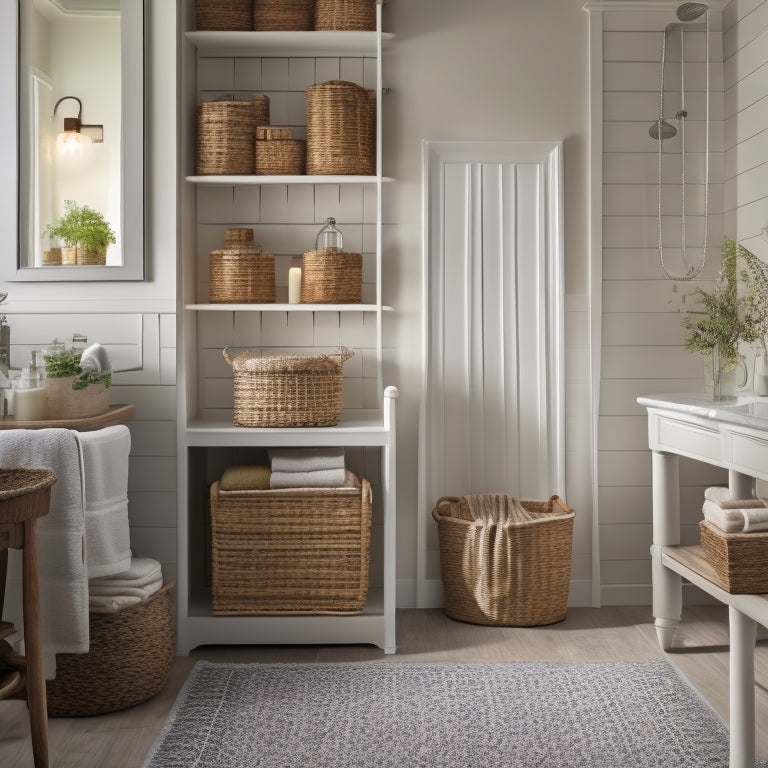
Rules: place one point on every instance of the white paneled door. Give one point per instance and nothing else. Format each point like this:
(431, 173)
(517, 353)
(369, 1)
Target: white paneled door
(493, 403)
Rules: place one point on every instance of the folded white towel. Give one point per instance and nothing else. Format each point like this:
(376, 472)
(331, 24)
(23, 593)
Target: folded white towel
(735, 520)
(755, 520)
(306, 459)
(105, 468)
(721, 496)
(116, 591)
(143, 571)
(323, 478)
(62, 574)
(98, 604)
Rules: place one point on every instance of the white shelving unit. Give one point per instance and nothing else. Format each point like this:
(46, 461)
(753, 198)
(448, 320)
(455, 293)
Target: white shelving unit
(206, 435)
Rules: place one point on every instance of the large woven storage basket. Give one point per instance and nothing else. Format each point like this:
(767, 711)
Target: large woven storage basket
(341, 129)
(224, 15)
(331, 277)
(505, 574)
(225, 136)
(345, 14)
(241, 275)
(287, 390)
(290, 550)
(129, 661)
(739, 559)
(283, 15)
(278, 153)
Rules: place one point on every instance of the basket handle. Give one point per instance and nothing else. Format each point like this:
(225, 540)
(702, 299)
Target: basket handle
(227, 357)
(440, 502)
(560, 503)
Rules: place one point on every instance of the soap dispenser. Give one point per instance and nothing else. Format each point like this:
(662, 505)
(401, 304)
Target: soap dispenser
(329, 238)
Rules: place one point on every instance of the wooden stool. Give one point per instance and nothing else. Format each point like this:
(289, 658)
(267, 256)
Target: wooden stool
(25, 495)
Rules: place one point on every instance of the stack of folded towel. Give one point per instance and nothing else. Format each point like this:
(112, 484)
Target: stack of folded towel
(307, 468)
(734, 515)
(108, 594)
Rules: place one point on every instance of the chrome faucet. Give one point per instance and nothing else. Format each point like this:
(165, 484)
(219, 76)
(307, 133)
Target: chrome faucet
(5, 346)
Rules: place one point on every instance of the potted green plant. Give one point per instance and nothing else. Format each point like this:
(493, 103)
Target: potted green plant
(66, 230)
(70, 390)
(85, 228)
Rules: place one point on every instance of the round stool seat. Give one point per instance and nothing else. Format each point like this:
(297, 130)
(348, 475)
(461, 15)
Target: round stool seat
(15, 484)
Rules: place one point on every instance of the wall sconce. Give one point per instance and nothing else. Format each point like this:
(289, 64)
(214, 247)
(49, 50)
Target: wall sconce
(76, 135)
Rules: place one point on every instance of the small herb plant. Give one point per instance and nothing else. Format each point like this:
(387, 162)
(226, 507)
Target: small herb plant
(83, 227)
(66, 362)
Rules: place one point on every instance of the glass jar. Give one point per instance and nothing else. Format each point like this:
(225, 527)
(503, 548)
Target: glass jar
(329, 237)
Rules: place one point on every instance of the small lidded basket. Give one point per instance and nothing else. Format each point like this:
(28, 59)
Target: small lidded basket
(277, 153)
(330, 275)
(240, 273)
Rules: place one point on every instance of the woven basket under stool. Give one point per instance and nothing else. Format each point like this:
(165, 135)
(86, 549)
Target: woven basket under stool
(512, 574)
(225, 135)
(341, 129)
(331, 277)
(290, 550)
(241, 276)
(287, 390)
(129, 661)
(345, 14)
(277, 153)
(224, 15)
(739, 559)
(283, 15)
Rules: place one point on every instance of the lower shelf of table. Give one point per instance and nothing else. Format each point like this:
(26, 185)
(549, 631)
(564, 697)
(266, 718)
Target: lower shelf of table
(198, 626)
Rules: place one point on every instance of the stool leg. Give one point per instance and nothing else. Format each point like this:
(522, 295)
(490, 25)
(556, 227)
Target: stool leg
(36, 701)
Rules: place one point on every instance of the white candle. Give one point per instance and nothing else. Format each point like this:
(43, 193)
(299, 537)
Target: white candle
(29, 404)
(294, 285)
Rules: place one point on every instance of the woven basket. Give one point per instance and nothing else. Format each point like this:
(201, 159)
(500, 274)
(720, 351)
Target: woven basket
(98, 257)
(290, 550)
(241, 276)
(225, 135)
(129, 661)
(341, 129)
(283, 15)
(260, 103)
(237, 237)
(63, 402)
(345, 14)
(287, 390)
(68, 255)
(52, 256)
(739, 559)
(331, 277)
(277, 153)
(224, 15)
(515, 573)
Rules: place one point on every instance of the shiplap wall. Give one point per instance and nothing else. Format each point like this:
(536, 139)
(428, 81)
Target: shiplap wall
(642, 350)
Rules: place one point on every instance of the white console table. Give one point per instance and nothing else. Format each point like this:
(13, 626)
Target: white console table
(733, 435)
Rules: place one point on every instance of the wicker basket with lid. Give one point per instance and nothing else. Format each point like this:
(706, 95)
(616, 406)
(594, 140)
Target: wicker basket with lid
(345, 14)
(224, 15)
(241, 275)
(277, 153)
(283, 15)
(224, 141)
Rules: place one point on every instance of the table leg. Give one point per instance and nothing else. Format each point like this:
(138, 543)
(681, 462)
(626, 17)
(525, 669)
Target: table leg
(740, 486)
(742, 689)
(667, 585)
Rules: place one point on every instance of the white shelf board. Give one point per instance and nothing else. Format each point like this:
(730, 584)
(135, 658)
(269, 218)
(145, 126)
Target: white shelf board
(356, 427)
(285, 307)
(239, 179)
(298, 44)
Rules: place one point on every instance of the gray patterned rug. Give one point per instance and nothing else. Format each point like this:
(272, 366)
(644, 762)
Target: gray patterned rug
(440, 715)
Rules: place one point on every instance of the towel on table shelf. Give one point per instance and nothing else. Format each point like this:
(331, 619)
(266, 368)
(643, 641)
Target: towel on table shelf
(141, 592)
(322, 478)
(306, 459)
(736, 520)
(245, 478)
(105, 604)
(60, 533)
(721, 496)
(143, 571)
(105, 468)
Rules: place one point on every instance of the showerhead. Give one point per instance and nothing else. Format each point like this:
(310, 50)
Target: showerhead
(691, 11)
(661, 129)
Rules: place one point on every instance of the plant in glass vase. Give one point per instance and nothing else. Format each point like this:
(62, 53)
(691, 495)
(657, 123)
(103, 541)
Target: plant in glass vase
(755, 277)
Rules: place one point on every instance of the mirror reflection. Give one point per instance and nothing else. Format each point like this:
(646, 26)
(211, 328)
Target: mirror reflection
(70, 201)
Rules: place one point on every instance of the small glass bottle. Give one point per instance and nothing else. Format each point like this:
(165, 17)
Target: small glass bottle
(329, 238)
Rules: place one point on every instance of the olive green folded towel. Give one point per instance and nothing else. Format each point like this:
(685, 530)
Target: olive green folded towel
(245, 478)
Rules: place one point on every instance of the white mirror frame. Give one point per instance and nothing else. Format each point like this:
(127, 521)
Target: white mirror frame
(132, 155)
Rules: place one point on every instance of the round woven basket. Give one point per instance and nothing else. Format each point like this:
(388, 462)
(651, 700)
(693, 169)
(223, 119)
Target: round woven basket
(98, 256)
(241, 275)
(283, 15)
(225, 135)
(331, 277)
(345, 14)
(63, 402)
(129, 661)
(68, 255)
(224, 15)
(53, 256)
(287, 390)
(341, 129)
(236, 237)
(277, 153)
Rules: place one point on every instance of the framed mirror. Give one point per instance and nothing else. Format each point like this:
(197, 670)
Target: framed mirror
(75, 203)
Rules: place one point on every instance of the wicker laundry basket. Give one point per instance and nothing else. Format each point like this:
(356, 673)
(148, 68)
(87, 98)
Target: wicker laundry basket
(225, 136)
(241, 275)
(341, 129)
(287, 390)
(129, 661)
(290, 551)
(331, 277)
(739, 559)
(503, 569)
(278, 153)
(283, 15)
(224, 15)
(345, 14)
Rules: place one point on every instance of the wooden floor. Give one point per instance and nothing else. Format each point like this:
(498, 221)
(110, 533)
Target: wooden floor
(121, 740)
